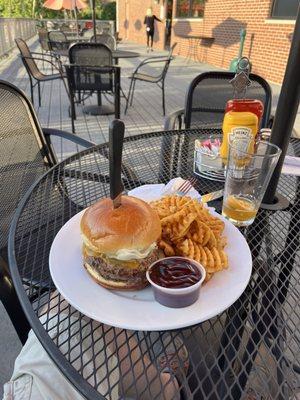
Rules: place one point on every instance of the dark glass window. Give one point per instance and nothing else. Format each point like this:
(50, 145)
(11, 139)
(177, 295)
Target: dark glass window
(190, 8)
(286, 9)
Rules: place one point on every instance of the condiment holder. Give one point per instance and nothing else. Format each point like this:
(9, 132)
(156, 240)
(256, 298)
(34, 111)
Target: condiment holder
(207, 160)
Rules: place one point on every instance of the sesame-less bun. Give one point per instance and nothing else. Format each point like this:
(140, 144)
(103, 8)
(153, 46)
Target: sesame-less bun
(133, 225)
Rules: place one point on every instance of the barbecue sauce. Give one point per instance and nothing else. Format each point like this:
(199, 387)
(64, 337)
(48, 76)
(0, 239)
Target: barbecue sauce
(175, 273)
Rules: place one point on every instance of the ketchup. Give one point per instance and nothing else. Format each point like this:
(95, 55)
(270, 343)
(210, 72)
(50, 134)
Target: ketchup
(250, 105)
(175, 273)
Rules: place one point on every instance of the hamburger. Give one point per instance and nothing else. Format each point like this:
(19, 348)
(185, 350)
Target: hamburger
(120, 244)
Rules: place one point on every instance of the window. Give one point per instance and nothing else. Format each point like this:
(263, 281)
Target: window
(190, 8)
(285, 9)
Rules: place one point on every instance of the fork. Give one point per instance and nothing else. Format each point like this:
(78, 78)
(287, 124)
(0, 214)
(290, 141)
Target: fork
(185, 187)
(189, 183)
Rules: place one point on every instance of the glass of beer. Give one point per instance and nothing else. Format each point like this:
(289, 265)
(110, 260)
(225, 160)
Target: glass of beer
(248, 173)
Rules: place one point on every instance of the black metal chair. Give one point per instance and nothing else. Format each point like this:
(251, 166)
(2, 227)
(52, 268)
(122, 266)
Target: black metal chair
(206, 99)
(45, 47)
(36, 76)
(157, 79)
(58, 42)
(43, 40)
(91, 70)
(26, 153)
(105, 38)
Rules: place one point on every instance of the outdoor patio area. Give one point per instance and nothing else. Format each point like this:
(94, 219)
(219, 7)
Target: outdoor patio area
(146, 116)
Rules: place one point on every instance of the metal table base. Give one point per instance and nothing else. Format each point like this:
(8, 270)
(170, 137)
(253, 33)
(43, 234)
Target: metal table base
(104, 109)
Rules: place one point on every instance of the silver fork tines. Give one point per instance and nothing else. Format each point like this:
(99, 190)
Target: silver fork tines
(186, 186)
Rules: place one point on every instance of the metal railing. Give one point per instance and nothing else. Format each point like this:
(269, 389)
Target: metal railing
(102, 26)
(11, 28)
(26, 28)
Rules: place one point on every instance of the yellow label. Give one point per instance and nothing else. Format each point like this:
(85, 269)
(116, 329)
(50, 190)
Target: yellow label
(233, 127)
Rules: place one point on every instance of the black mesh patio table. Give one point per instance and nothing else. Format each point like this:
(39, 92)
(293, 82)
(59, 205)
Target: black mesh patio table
(250, 351)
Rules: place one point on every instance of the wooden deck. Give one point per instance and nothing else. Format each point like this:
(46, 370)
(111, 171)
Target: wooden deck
(145, 115)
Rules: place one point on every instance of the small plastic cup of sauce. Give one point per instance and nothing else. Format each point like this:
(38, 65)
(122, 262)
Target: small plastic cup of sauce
(176, 281)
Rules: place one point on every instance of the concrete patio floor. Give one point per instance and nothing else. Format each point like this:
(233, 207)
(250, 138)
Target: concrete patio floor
(144, 116)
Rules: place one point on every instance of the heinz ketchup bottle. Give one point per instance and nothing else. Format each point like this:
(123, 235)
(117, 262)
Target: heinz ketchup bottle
(241, 120)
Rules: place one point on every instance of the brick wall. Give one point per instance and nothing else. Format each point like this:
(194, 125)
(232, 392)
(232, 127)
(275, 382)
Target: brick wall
(131, 22)
(267, 44)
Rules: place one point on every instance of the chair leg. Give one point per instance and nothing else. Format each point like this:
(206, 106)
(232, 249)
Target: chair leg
(12, 305)
(128, 98)
(73, 111)
(163, 98)
(72, 122)
(39, 91)
(99, 98)
(31, 90)
(132, 93)
(44, 52)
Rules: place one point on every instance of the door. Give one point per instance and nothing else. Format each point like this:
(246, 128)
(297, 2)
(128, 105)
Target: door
(168, 31)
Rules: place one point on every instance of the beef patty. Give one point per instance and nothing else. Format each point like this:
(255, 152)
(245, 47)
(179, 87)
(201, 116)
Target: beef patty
(132, 271)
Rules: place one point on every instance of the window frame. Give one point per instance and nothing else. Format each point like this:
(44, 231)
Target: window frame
(280, 17)
(190, 8)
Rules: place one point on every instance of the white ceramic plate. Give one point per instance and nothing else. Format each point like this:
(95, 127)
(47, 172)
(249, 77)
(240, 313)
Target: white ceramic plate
(138, 310)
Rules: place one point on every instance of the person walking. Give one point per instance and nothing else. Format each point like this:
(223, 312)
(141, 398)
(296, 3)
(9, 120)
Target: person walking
(150, 27)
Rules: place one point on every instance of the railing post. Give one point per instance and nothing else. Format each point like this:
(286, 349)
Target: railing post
(94, 18)
(287, 108)
(11, 28)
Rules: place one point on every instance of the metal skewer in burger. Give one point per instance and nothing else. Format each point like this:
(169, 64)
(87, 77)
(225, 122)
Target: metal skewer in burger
(119, 233)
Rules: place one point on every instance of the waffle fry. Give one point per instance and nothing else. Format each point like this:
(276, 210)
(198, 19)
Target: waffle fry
(213, 260)
(188, 229)
(168, 205)
(166, 248)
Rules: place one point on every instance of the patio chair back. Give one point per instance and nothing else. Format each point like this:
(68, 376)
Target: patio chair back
(91, 70)
(208, 93)
(24, 154)
(27, 59)
(24, 157)
(90, 55)
(168, 60)
(43, 39)
(105, 38)
(58, 40)
(159, 79)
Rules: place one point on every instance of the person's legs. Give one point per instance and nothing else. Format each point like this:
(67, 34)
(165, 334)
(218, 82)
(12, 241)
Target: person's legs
(140, 377)
(151, 43)
(148, 36)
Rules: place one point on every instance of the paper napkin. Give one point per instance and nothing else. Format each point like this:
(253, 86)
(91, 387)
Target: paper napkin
(291, 166)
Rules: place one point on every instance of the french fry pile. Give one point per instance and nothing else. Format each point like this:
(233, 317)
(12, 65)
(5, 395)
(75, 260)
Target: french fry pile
(188, 229)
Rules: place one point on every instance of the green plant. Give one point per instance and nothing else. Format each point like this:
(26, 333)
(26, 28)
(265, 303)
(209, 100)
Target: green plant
(35, 9)
(109, 11)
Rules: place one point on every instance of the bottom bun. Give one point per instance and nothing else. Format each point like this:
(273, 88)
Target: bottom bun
(110, 284)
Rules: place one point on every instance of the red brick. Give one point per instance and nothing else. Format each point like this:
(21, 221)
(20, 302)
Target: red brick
(270, 47)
